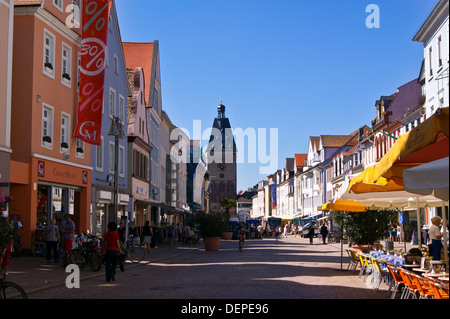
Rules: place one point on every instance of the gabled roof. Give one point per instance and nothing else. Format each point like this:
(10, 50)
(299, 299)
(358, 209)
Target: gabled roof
(406, 99)
(140, 54)
(300, 159)
(27, 2)
(334, 140)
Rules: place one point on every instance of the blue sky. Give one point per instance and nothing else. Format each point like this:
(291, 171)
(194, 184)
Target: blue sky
(305, 67)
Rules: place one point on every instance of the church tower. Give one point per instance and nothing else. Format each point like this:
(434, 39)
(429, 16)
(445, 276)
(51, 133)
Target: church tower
(221, 162)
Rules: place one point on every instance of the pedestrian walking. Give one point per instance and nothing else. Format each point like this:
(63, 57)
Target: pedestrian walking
(277, 232)
(171, 233)
(52, 238)
(147, 233)
(180, 232)
(285, 231)
(121, 231)
(68, 235)
(259, 229)
(134, 233)
(324, 232)
(112, 251)
(311, 234)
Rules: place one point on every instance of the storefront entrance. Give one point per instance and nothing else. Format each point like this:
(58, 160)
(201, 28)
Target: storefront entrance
(54, 201)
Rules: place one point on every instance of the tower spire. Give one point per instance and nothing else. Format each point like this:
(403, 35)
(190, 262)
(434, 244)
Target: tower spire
(221, 110)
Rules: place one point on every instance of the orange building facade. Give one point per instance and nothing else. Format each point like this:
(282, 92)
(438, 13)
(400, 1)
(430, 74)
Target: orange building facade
(50, 172)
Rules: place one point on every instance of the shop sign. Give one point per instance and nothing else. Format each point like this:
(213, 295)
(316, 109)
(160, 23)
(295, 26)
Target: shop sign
(41, 169)
(85, 177)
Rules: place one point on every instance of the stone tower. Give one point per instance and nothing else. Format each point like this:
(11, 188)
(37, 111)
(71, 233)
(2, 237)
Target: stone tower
(221, 162)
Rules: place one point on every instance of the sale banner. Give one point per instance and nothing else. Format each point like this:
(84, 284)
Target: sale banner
(92, 70)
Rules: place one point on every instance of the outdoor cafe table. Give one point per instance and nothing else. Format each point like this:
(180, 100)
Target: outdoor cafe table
(436, 275)
(392, 259)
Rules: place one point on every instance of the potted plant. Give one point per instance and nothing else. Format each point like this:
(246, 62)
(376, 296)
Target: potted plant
(64, 146)
(48, 67)
(227, 204)
(47, 140)
(210, 228)
(66, 78)
(365, 228)
(80, 150)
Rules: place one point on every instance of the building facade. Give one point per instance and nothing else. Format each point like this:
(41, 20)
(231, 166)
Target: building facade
(139, 151)
(146, 56)
(50, 176)
(115, 96)
(434, 34)
(6, 55)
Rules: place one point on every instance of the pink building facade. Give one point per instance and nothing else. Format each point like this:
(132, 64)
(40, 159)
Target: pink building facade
(50, 170)
(6, 42)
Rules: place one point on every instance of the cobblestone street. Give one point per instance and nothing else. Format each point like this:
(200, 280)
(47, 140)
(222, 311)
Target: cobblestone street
(289, 269)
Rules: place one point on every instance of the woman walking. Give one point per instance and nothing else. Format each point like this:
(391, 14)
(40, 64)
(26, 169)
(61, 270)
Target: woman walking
(112, 251)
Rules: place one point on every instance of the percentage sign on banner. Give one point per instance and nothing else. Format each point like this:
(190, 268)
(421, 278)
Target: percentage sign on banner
(90, 10)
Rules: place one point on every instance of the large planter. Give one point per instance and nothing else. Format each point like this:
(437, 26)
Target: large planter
(365, 248)
(211, 243)
(227, 235)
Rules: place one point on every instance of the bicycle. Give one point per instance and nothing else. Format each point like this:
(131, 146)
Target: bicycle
(241, 242)
(87, 252)
(9, 289)
(133, 250)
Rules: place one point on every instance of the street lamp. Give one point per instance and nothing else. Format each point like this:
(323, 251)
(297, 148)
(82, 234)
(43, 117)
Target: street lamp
(116, 130)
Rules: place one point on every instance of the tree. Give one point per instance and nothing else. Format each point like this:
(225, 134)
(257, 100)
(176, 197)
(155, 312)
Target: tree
(227, 204)
(365, 228)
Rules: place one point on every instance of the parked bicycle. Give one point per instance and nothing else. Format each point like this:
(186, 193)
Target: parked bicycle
(9, 289)
(88, 252)
(133, 249)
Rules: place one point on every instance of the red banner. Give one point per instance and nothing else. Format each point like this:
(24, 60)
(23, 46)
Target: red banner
(92, 71)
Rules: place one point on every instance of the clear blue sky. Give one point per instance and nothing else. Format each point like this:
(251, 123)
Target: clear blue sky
(305, 67)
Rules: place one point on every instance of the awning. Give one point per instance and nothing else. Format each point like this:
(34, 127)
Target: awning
(425, 143)
(345, 206)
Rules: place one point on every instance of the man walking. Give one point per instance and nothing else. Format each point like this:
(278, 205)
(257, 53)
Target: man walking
(324, 232)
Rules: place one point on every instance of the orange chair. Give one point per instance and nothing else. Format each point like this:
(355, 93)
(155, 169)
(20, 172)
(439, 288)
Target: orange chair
(421, 283)
(410, 287)
(439, 291)
(396, 281)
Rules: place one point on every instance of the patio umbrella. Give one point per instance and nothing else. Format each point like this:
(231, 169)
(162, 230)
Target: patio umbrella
(423, 144)
(344, 205)
(431, 179)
